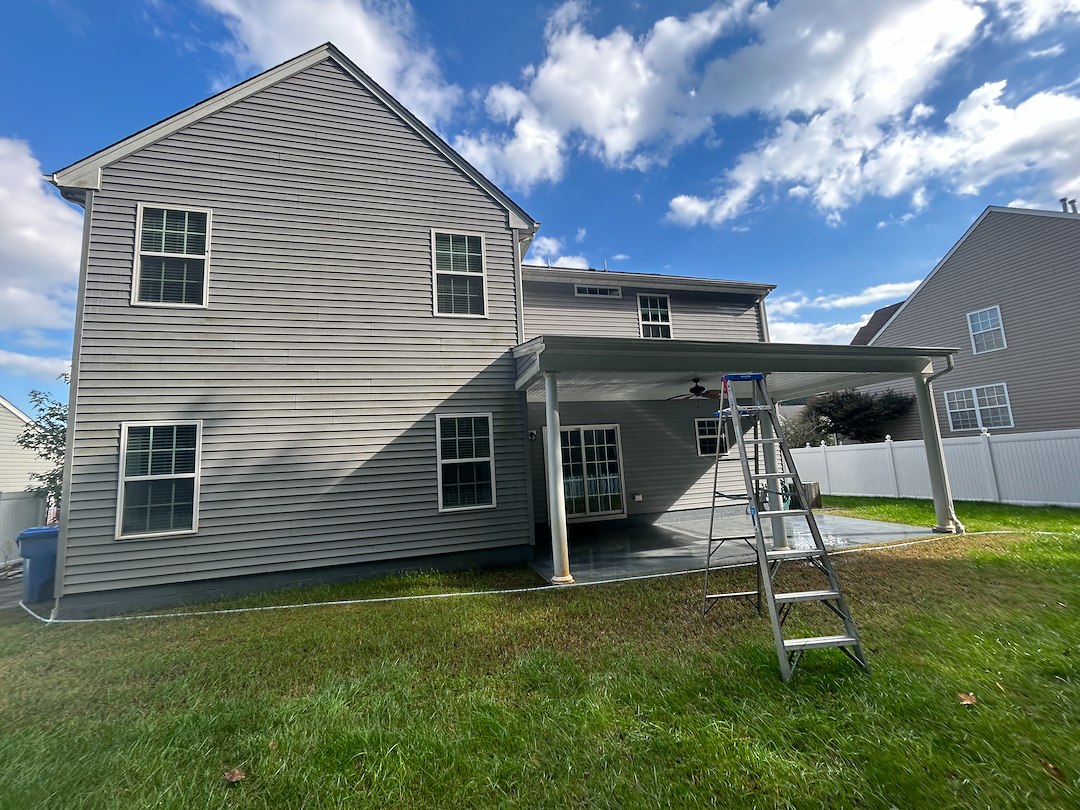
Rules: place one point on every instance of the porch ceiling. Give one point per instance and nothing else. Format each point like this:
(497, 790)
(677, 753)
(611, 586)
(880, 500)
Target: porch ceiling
(601, 369)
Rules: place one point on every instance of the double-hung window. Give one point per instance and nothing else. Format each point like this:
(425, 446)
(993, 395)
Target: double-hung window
(458, 269)
(984, 406)
(466, 459)
(173, 257)
(159, 478)
(987, 331)
(707, 431)
(655, 313)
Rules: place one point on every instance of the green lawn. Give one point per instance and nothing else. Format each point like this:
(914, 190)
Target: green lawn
(608, 696)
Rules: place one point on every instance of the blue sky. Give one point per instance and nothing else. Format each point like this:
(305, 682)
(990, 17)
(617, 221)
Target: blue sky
(836, 148)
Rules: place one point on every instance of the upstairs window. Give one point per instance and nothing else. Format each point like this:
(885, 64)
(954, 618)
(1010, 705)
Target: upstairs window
(583, 291)
(466, 459)
(159, 470)
(987, 333)
(984, 406)
(655, 311)
(173, 257)
(458, 266)
(709, 436)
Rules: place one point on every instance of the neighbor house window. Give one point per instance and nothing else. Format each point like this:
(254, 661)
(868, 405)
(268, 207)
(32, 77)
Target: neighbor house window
(466, 462)
(173, 258)
(458, 265)
(655, 313)
(597, 292)
(985, 406)
(159, 478)
(987, 333)
(708, 436)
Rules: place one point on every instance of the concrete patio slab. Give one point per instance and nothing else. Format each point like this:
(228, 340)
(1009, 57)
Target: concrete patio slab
(619, 549)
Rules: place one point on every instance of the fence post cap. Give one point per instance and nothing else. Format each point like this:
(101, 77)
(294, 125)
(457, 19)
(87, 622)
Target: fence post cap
(888, 437)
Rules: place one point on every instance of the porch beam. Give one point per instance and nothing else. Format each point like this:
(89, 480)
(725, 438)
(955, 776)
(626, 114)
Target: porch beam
(947, 522)
(560, 555)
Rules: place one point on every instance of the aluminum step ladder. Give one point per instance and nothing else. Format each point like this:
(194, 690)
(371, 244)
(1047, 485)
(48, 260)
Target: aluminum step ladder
(765, 496)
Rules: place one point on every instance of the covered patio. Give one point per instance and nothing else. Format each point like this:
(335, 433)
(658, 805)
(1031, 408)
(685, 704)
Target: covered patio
(554, 368)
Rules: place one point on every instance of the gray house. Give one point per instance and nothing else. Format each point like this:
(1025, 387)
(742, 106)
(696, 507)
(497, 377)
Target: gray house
(307, 349)
(1006, 294)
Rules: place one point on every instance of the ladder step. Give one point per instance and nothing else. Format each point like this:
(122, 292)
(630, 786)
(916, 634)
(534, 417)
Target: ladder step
(745, 410)
(730, 595)
(817, 642)
(761, 441)
(783, 512)
(806, 596)
(794, 553)
(768, 476)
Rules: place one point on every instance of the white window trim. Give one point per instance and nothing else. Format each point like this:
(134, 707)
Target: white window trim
(622, 470)
(720, 437)
(616, 294)
(435, 274)
(971, 332)
(139, 253)
(197, 475)
(671, 316)
(978, 413)
(439, 462)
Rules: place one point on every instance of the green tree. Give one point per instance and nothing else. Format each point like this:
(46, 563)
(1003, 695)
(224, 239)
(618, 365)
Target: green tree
(803, 428)
(46, 435)
(855, 415)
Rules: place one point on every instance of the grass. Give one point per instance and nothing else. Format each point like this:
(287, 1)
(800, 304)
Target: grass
(611, 696)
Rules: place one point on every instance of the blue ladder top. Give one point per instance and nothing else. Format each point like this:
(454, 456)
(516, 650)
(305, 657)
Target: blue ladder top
(744, 377)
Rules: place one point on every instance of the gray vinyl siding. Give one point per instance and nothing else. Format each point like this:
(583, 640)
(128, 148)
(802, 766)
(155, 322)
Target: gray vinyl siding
(1029, 266)
(318, 367)
(660, 460)
(16, 462)
(551, 308)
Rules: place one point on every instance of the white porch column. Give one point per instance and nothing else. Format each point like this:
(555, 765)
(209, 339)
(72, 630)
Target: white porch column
(560, 556)
(779, 525)
(947, 522)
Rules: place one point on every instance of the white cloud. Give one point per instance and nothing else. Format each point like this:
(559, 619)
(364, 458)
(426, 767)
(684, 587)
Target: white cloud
(580, 235)
(799, 332)
(40, 239)
(46, 368)
(379, 35)
(575, 261)
(547, 250)
(784, 305)
(1026, 18)
(626, 100)
(1053, 50)
(620, 257)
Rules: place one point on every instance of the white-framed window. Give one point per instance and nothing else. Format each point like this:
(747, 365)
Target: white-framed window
(708, 434)
(458, 274)
(172, 256)
(987, 331)
(655, 315)
(586, 291)
(466, 460)
(983, 406)
(159, 479)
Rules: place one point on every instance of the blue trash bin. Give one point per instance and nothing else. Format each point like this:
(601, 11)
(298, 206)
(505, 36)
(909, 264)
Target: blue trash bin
(37, 547)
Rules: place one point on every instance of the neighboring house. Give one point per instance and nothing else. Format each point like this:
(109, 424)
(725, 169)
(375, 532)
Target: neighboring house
(1006, 294)
(873, 326)
(16, 462)
(306, 349)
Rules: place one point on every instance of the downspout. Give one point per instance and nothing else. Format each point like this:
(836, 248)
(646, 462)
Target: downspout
(519, 293)
(950, 364)
(515, 234)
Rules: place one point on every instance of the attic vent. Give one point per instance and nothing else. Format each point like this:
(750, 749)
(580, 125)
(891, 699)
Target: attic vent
(597, 292)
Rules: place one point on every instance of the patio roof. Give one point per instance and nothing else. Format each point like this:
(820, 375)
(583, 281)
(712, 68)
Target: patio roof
(594, 368)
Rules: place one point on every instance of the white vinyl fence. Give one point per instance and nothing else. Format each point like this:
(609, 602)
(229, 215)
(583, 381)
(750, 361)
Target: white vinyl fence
(1019, 468)
(18, 511)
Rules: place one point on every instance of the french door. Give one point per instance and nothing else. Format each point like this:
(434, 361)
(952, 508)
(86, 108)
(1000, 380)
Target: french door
(592, 475)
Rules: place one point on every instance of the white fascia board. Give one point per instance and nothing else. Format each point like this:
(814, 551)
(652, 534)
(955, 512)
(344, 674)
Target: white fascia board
(651, 281)
(8, 406)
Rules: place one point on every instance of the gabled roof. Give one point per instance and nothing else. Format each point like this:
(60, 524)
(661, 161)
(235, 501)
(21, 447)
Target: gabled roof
(86, 173)
(873, 326)
(9, 407)
(990, 209)
(566, 275)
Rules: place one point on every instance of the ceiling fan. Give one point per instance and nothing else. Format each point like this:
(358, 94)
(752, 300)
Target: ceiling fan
(699, 391)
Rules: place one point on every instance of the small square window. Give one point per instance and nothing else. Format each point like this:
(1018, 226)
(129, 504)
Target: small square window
(173, 257)
(655, 313)
(987, 331)
(458, 267)
(709, 435)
